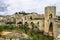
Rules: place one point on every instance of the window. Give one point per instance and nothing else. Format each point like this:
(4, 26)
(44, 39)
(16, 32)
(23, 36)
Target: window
(50, 16)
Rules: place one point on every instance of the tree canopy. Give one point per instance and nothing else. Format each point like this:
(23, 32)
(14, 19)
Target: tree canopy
(24, 13)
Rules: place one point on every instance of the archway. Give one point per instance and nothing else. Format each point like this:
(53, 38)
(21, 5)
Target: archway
(26, 23)
(32, 24)
(51, 27)
(20, 24)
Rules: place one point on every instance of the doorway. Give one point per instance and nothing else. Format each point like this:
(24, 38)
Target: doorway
(51, 27)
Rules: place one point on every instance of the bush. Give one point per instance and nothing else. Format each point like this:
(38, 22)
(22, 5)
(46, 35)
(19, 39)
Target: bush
(1, 28)
(6, 27)
(34, 38)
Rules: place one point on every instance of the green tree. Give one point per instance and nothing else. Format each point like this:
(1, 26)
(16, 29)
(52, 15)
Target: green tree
(8, 27)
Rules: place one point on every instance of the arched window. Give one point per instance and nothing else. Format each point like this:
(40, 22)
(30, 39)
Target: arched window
(50, 16)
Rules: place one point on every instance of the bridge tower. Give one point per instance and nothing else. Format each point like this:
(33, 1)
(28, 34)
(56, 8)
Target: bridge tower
(50, 14)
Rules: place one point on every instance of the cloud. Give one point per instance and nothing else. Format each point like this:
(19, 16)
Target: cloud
(28, 6)
(3, 6)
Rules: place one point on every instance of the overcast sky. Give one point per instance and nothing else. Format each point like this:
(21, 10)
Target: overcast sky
(8, 7)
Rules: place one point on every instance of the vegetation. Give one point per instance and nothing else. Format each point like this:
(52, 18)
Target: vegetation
(58, 16)
(1, 28)
(6, 27)
(25, 27)
(34, 35)
(22, 13)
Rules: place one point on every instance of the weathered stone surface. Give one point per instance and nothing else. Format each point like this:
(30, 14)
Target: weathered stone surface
(42, 21)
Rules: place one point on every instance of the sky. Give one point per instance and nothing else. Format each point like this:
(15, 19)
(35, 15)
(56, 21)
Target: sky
(9, 7)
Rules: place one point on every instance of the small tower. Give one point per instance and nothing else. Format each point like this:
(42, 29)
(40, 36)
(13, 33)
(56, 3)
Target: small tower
(50, 14)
